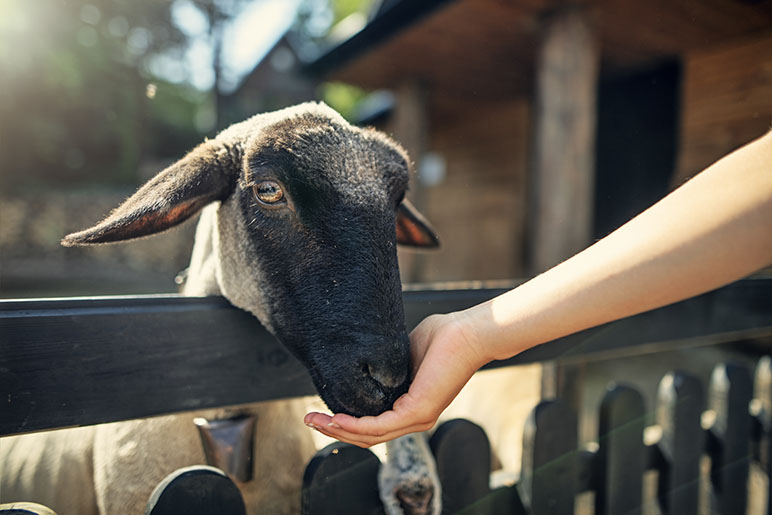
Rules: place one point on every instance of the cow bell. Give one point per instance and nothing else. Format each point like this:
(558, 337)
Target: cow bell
(229, 444)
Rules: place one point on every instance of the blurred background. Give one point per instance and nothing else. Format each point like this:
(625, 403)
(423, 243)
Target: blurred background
(536, 126)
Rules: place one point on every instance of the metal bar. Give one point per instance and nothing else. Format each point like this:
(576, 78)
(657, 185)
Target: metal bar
(73, 362)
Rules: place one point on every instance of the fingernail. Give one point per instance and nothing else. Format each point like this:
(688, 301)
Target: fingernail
(333, 424)
(312, 426)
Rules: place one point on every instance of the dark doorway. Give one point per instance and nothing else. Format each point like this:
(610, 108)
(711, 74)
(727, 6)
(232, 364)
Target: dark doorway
(637, 143)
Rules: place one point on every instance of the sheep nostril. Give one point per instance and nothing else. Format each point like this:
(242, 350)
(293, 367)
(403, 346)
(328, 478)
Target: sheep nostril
(384, 376)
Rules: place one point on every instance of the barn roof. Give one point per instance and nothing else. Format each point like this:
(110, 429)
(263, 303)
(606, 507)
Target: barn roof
(484, 49)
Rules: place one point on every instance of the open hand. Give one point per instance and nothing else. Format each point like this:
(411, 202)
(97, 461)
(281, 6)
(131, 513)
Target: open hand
(445, 354)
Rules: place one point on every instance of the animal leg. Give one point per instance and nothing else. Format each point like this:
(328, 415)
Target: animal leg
(408, 480)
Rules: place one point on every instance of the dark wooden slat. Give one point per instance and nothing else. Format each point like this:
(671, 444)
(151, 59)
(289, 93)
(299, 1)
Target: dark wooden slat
(463, 456)
(621, 459)
(72, 362)
(763, 395)
(548, 477)
(99, 360)
(680, 401)
(730, 313)
(501, 500)
(341, 478)
(730, 394)
(587, 475)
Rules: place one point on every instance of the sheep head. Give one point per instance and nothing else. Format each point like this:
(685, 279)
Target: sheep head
(311, 209)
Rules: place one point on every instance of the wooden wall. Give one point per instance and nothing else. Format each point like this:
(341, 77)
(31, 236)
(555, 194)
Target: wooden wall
(727, 100)
(478, 210)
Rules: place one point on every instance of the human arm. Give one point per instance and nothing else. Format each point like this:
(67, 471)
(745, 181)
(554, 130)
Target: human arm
(713, 230)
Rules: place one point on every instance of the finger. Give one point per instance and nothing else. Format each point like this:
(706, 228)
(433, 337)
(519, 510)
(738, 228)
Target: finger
(402, 415)
(327, 425)
(315, 419)
(365, 440)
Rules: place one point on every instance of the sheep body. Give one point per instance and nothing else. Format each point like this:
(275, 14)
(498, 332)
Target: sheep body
(333, 240)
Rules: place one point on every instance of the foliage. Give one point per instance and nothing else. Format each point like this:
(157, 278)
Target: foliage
(74, 103)
(344, 98)
(315, 18)
(81, 102)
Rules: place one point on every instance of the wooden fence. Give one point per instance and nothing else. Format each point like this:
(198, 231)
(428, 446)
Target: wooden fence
(731, 425)
(75, 362)
(82, 361)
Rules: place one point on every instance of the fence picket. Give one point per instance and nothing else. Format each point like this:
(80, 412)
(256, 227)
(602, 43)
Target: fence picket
(341, 478)
(763, 394)
(549, 472)
(463, 456)
(621, 458)
(680, 402)
(730, 395)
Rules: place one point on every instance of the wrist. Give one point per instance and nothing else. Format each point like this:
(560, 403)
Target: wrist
(469, 329)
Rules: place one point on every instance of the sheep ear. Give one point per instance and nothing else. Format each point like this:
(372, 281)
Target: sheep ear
(168, 199)
(413, 229)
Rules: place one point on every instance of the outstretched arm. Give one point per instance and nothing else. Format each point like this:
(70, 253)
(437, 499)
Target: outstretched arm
(713, 230)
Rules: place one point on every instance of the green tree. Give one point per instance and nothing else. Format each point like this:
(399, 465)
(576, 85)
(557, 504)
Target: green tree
(76, 92)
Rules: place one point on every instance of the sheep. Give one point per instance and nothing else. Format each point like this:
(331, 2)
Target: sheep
(300, 216)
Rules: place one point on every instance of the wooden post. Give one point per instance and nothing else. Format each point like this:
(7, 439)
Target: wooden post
(341, 478)
(410, 126)
(731, 390)
(621, 459)
(549, 474)
(763, 395)
(563, 159)
(562, 178)
(680, 401)
(463, 456)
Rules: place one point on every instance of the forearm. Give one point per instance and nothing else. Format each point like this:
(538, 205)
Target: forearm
(713, 230)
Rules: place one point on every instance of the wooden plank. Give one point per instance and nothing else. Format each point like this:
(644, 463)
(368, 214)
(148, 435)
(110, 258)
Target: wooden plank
(341, 478)
(680, 402)
(463, 457)
(723, 315)
(621, 459)
(763, 395)
(410, 126)
(726, 100)
(501, 500)
(562, 177)
(85, 361)
(730, 395)
(485, 148)
(548, 477)
(587, 476)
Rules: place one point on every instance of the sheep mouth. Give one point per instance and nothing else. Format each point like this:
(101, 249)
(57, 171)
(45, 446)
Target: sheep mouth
(368, 400)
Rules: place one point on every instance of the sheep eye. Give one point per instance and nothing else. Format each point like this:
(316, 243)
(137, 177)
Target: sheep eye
(268, 192)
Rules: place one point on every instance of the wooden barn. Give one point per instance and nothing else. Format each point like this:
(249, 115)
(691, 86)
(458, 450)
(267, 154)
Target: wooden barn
(537, 126)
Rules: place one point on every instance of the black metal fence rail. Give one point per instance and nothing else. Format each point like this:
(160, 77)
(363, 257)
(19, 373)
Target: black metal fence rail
(75, 362)
(730, 424)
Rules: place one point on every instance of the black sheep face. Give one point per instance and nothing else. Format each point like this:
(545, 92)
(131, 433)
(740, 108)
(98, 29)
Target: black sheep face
(311, 212)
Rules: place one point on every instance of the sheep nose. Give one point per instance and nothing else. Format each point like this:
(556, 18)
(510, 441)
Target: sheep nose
(386, 376)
